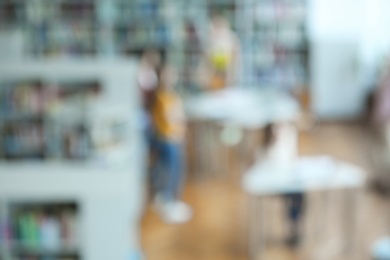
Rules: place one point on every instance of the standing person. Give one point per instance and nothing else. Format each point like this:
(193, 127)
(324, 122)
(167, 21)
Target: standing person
(222, 55)
(148, 81)
(168, 119)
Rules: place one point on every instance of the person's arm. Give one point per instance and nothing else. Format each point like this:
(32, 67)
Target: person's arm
(203, 73)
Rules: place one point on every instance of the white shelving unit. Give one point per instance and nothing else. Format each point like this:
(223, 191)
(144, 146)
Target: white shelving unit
(108, 190)
(109, 202)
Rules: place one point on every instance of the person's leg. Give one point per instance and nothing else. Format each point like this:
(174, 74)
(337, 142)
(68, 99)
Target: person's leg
(159, 169)
(171, 209)
(166, 171)
(174, 166)
(173, 170)
(295, 209)
(155, 170)
(152, 156)
(179, 170)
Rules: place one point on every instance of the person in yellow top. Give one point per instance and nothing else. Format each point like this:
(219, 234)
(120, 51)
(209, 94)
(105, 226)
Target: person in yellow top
(169, 124)
(167, 112)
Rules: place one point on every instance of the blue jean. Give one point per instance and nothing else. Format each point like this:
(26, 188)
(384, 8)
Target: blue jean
(296, 205)
(168, 175)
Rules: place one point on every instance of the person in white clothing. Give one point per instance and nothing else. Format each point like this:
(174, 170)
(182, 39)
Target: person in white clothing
(279, 153)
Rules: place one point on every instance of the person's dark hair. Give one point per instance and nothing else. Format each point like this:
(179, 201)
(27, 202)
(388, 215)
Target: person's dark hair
(269, 135)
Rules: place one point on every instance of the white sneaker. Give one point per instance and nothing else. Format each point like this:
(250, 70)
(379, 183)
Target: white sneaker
(176, 212)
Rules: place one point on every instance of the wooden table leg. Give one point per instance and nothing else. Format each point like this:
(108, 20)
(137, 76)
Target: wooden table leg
(352, 217)
(252, 227)
(262, 242)
(257, 226)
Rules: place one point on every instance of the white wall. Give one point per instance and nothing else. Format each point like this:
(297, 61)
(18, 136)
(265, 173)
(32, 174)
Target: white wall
(335, 19)
(375, 36)
(347, 38)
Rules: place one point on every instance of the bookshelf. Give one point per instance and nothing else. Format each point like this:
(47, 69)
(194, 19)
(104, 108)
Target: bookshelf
(273, 37)
(93, 188)
(145, 24)
(31, 124)
(41, 120)
(88, 28)
(272, 33)
(280, 45)
(60, 28)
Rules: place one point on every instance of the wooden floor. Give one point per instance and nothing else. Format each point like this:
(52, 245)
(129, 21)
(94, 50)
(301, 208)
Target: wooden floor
(219, 227)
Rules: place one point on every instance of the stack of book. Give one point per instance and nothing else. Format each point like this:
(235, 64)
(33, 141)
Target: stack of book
(39, 120)
(44, 228)
(40, 231)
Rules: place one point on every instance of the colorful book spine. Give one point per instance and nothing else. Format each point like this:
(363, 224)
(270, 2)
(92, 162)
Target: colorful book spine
(37, 230)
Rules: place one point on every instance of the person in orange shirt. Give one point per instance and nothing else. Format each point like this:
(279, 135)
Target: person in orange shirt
(169, 123)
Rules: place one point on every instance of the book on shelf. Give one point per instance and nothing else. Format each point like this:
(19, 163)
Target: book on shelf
(11, 12)
(44, 228)
(61, 121)
(39, 120)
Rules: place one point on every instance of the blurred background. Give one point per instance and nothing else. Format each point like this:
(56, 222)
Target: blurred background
(268, 121)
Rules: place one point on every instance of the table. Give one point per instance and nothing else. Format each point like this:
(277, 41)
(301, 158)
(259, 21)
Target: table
(308, 174)
(244, 107)
(225, 126)
(381, 249)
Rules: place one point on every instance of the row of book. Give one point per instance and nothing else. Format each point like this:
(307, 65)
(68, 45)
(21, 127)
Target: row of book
(33, 141)
(143, 9)
(142, 35)
(279, 37)
(42, 10)
(148, 23)
(29, 97)
(289, 37)
(41, 232)
(275, 11)
(277, 54)
(23, 139)
(76, 41)
(47, 229)
(39, 121)
(283, 76)
(34, 98)
(63, 38)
